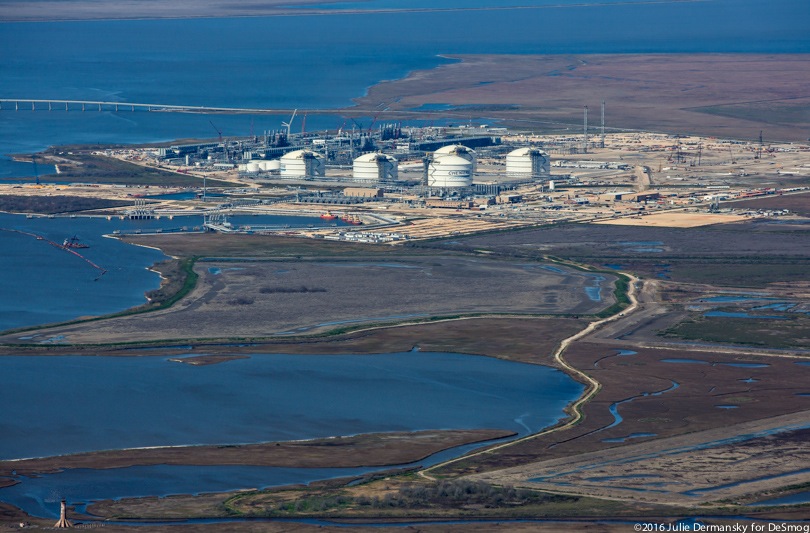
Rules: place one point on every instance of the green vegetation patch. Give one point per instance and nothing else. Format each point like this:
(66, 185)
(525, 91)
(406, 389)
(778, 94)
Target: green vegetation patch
(794, 332)
(455, 497)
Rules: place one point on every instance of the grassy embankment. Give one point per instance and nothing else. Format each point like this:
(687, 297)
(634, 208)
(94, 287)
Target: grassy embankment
(406, 496)
(791, 332)
(84, 166)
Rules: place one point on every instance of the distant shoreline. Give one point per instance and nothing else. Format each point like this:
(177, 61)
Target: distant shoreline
(88, 10)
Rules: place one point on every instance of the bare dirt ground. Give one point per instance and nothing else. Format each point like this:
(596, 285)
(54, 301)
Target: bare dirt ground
(798, 203)
(722, 95)
(261, 299)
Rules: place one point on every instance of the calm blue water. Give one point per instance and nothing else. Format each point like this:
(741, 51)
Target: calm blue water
(97, 403)
(44, 284)
(792, 499)
(315, 61)
(108, 402)
(40, 496)
(742, 314)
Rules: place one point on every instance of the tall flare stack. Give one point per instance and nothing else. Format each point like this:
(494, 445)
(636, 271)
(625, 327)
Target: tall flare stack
(63, 522)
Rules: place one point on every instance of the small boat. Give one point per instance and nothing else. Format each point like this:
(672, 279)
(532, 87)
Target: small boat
(328, 216)
(73, 242)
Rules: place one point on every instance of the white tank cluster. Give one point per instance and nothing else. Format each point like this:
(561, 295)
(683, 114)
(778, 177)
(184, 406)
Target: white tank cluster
(376, 168)
(260, 166)
(302, 164)
(527, 162)
(452, 166)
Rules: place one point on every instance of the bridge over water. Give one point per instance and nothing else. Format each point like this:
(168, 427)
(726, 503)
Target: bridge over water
(18, 104)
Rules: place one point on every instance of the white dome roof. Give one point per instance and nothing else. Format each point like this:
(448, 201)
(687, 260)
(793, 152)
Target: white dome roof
(526, 151)
(451, 160)
(454, 149)
(373, 157)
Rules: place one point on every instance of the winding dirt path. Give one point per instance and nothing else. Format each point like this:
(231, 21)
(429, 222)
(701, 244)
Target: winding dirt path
(592, 389)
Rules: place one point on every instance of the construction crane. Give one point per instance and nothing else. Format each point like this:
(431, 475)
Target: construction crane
(36, 170)
(217, 130)
(289, 124)
(374, 121)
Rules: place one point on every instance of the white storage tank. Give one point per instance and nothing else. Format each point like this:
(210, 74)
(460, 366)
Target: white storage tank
(302, 164)
(459, 151)
(252, 167)
(375, 167)
(528, 161)
(450, 171)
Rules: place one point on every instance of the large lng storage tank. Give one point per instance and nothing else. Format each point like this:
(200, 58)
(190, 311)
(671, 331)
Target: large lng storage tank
(375, 168)
(527, 162)
(459, 151)
(450, 171)
(302, 164)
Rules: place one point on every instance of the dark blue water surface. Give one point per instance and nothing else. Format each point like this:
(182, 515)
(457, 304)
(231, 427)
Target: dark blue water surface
(120, 402)
(43, 284)
(95, 403)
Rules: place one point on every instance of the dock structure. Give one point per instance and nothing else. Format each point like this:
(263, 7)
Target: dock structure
(141, 211)
(17, 104)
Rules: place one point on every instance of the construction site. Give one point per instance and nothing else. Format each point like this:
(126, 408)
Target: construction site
(395, 184)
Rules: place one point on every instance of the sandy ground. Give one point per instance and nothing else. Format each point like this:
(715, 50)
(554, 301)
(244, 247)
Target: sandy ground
(675, 219)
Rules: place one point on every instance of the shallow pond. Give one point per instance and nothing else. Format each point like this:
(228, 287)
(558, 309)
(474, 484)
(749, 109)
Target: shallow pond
(97, 403)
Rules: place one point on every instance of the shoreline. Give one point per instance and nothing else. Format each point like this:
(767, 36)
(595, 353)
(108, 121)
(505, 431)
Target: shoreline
(276, 8)
(384, 450)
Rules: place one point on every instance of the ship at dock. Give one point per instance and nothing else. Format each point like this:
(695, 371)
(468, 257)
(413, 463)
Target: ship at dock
(354, 220)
